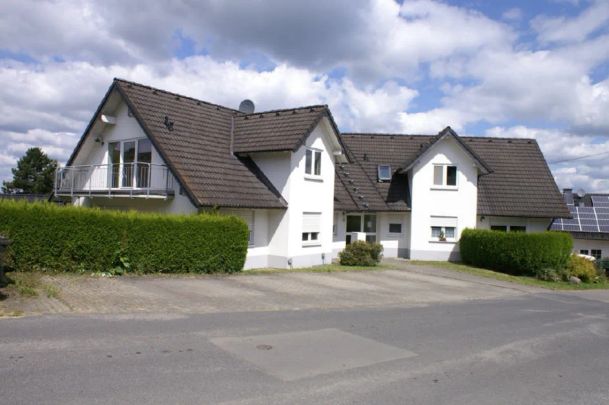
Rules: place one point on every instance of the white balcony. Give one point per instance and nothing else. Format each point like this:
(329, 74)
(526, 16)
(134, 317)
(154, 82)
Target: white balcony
(115, 180)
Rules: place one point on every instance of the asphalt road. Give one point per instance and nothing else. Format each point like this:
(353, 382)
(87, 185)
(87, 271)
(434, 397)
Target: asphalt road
(538, 348)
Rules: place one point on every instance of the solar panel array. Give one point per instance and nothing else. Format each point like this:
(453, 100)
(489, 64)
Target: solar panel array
(586, 219)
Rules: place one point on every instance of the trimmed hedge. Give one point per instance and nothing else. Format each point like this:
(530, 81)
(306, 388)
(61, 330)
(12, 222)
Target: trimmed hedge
(55, 238)
(515, 253)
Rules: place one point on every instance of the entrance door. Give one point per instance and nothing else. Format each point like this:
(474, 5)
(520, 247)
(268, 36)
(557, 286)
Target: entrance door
(361, 223)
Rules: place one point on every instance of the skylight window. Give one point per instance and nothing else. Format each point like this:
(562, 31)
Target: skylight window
(384, 172)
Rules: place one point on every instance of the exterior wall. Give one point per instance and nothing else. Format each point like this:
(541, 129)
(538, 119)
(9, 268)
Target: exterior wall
(532, 224)
(93, 153)
(258, 222)
(304, 194)
(589, 244)
(394, 244)
(428, 200)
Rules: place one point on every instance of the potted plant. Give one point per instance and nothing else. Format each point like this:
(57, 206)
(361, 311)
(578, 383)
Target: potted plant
(442, 236)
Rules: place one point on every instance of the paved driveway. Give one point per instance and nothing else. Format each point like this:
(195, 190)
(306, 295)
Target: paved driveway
(405, 285)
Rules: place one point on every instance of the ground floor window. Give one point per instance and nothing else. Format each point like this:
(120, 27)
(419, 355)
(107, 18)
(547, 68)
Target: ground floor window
(311, 225)
(511, 228)
(583, 251)
(443, 233)
(597, 253)
(361, 223)
(395, 228)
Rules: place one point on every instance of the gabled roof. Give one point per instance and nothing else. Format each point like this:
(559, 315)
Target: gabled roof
(519, 183)
(198, 149)
(278, 130)
(433, 141)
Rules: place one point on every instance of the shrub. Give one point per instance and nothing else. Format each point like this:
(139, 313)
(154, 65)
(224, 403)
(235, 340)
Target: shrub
(55, 238)
(360, 253)
(516, 253)
(582, 268)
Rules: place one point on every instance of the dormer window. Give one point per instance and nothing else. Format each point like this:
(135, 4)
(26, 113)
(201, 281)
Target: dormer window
(313, 162)
(445, 176)
(384, 173)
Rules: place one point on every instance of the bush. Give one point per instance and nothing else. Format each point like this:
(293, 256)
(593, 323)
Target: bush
(54, 238)
(515, 253)
(582, 268)
(360, 253)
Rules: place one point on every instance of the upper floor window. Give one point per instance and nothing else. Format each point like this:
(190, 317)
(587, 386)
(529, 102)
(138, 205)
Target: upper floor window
(445, 176)
(313, 162)
(384, 172)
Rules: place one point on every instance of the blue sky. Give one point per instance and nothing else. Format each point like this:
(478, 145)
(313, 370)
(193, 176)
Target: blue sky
(537, 69)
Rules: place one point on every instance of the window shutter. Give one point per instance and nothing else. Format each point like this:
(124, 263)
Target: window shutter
(311, 221)
(438, 175)
(443, 221)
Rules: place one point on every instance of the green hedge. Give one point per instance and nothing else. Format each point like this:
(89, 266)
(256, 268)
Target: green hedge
(515, 252)
(56, 238)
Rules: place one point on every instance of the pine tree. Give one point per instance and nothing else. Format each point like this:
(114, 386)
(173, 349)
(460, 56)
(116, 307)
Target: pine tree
(34, 174)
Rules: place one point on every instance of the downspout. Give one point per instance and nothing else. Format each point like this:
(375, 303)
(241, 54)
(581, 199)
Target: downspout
(232, 134)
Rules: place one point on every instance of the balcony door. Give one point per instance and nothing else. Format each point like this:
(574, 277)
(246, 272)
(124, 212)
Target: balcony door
(129, 163)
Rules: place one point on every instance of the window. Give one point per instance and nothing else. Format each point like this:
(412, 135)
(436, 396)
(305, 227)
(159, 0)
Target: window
(361, 223)
(443, 228)
(311, 224)
(395, 228)
(384, 173)
(443, 233)
(129, 163)
(511, 228)
(313, 162)
(597, 253)
(583, 251)
(445, 176)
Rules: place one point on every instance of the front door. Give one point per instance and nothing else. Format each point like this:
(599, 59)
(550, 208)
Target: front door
(361, 223)
(130, 163)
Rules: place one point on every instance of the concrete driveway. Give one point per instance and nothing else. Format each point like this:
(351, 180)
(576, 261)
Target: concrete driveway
(399, 285)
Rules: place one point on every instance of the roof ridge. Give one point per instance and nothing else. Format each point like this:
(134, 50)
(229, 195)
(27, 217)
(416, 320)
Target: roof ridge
(382, 134)
(118, 79)
(324, 106)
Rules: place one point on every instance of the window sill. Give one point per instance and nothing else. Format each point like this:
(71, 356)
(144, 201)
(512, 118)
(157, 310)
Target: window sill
(447, 242)
(311, 177)
(445, 188)
(307, 245)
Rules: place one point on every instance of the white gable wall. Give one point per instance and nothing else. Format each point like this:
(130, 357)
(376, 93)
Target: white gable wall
(94, 153)
(431, 204)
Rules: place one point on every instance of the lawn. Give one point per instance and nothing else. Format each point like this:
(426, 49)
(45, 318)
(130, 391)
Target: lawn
(524, 280)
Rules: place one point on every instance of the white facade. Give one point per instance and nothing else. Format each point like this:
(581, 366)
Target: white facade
(443, 185)
(592, 247)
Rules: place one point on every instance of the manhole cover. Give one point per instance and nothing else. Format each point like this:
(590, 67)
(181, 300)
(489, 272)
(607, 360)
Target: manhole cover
(264, 347)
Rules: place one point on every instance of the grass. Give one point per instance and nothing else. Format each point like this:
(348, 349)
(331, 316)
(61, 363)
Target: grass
(524, 280)
(31, 285)
(325, 268)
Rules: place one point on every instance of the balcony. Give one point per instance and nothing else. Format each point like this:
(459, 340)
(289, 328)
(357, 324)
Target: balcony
(137, 179)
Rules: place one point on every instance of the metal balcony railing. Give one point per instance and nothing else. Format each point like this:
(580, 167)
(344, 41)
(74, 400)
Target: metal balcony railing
(132, 179)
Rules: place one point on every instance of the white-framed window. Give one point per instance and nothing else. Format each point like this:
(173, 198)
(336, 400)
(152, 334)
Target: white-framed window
(443, 229)
(311, 225)
(313, 162)
(445, 176)
(597, 253)
(510, 228)
(129, 163)
(361, 223)
(384, 172)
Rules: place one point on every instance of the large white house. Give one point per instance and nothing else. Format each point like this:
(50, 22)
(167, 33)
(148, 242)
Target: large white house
(304, 188)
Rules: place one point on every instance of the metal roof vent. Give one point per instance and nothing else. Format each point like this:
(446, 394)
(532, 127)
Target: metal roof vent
(247, 106)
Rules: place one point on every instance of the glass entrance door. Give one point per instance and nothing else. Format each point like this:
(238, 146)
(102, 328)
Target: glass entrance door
(361, 223)
(129, 163)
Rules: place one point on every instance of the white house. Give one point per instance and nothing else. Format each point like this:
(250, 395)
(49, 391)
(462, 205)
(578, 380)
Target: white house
(589, 224)
(304, 188)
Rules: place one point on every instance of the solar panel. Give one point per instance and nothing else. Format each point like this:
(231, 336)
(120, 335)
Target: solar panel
(604, 228)
(572, 228)
(600, 199)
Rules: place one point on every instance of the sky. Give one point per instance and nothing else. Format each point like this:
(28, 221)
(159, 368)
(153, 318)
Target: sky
(505, 68)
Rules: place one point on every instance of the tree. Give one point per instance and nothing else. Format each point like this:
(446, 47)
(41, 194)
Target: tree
(34, 174)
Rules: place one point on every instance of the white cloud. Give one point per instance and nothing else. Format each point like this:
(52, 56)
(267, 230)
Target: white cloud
(512, 14)
(568, 30)
(577, 161)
